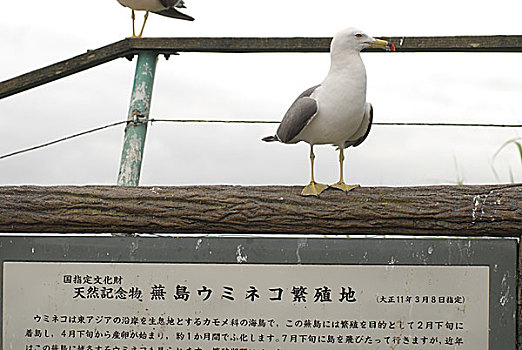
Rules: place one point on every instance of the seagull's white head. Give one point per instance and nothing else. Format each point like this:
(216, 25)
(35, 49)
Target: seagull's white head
(355, 40)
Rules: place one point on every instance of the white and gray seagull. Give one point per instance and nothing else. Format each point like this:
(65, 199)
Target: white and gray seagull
(334, 112)
(161, 7)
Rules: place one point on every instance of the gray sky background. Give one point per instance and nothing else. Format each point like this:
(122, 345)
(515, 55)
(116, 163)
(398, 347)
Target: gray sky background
(442, 87)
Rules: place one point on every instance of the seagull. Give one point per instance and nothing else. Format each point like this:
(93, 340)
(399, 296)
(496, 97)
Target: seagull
(334, 112)
(161, 7)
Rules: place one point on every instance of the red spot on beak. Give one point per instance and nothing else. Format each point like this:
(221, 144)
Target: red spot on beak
(391, 47)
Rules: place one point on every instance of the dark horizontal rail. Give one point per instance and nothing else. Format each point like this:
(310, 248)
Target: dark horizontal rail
(496, 43)
(129, 47)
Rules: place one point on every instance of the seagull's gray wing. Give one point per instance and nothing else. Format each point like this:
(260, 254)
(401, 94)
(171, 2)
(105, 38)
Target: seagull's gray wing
(172, 3)
(298, 116)
(364, 128)
(173, 13)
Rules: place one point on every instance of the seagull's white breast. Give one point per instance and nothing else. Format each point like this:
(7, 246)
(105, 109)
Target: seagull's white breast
(143, 5)
(341, 100)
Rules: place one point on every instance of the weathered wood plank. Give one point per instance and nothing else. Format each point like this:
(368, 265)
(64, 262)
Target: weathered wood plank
(436, 210)
(90, 59)
(496, 43)
(128, 47)
(493, 43)
(232, 45)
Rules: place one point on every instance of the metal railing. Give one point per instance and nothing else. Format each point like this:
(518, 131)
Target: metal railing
(148, 50)
(130, 47)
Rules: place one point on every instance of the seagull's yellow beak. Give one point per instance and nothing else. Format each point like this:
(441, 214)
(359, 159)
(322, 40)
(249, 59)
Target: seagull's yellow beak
(381, 44)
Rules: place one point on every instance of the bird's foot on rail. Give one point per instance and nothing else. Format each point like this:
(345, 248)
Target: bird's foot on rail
(344, 187)
(313, 189)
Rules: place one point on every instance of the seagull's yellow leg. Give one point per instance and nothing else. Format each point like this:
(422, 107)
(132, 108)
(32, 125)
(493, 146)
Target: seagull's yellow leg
(313, 188)
(340, 185)
(133, 16)
(144, 22)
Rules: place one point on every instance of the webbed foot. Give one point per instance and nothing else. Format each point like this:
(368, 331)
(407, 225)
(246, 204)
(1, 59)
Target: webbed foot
(313, 189)
(344, 187)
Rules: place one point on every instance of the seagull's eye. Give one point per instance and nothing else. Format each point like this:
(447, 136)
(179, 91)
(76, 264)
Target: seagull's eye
(358, 35)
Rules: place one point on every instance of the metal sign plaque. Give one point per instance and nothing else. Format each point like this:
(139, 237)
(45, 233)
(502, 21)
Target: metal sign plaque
(257, 293)
(224, 306)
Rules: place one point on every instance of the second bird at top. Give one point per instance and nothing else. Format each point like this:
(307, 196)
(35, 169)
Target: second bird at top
(166, 8)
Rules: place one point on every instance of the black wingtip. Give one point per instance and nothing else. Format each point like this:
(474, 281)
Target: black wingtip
(173, 13)
(270, 139)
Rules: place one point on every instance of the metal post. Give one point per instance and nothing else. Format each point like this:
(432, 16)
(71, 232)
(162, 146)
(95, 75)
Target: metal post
(136, 130)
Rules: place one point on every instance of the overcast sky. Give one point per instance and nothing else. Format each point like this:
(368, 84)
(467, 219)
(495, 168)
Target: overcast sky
(442, 87)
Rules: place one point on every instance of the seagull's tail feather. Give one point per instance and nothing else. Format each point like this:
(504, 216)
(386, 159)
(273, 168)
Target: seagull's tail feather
(270, 139)
(173, 13)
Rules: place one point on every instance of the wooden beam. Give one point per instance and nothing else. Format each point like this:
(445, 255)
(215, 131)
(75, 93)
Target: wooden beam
(493, 43)
(129, 47)
(90, 59)
(233, 45)
(429, 211)
(496, 43)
